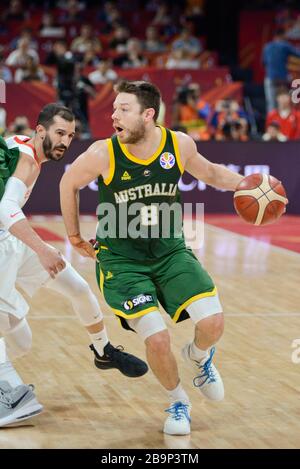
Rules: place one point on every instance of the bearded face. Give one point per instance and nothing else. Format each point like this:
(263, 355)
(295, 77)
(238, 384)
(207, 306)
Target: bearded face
(134, 134)
(52, 151)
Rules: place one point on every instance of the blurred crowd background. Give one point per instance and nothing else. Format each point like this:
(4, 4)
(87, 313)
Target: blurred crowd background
(227, 69)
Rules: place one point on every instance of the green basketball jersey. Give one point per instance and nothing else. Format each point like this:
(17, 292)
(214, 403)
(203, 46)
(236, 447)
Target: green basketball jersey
(139, 212)
(8, 162)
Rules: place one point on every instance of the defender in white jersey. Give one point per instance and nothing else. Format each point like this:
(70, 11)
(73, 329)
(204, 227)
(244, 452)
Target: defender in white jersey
(27, 261)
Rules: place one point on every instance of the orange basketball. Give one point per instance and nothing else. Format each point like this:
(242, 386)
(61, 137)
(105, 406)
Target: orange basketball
(260, 199)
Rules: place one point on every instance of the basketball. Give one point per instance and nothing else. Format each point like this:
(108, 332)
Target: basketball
(260, 199)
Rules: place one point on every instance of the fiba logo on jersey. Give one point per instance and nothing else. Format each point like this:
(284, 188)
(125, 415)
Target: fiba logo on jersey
(167, 160)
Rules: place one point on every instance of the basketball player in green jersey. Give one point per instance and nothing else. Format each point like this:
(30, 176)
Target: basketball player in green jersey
(141, 164)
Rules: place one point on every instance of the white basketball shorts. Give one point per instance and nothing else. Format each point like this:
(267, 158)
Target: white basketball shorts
(19, 266)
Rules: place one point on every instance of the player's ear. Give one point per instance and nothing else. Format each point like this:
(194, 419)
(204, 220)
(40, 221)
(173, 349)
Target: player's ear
(149, 114)
(41, 131)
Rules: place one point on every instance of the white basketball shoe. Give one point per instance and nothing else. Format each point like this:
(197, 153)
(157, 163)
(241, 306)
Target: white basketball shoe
(207, 379)
(17, 403)
(178, 421)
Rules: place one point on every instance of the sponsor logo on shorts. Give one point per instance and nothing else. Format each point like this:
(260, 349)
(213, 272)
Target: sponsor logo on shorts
(137, 301)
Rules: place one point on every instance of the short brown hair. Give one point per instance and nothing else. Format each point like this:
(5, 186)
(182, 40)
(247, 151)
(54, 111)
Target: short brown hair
(148, 95)
(47, 114)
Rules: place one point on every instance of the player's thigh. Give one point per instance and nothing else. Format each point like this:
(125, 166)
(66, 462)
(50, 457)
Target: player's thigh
(31, 274)
(11, 300)
(181, 280)
(126, 286)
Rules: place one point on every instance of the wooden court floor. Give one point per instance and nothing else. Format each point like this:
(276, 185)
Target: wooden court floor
(89, 408)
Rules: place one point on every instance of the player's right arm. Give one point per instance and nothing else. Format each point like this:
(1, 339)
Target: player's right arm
(85, 169)
(14, 220)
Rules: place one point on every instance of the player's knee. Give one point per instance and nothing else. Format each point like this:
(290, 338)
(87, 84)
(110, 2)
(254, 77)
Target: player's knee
(213, 326)
(18, 339)
(159, 343)
(82, 288)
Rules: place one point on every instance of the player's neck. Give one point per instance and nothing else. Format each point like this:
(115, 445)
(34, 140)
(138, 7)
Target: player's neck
(38, 147)
(146, 147)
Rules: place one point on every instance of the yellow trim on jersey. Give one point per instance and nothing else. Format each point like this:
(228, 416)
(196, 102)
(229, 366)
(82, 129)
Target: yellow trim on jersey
(103, 247)
(135, 315)
(111, 162)
(177, 153)
(101, 281)
(191, 300)
(151, 158)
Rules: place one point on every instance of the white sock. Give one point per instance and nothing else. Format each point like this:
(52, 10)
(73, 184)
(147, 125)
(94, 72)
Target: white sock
(8, 373)
(99, 340)
(196, 353)
(178, 394)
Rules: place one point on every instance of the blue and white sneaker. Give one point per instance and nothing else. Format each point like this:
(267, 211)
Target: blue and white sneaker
(207, 379)
(179, 420)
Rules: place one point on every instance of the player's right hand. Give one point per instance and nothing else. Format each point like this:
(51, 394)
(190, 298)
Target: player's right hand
(84, 248)
(52, 260)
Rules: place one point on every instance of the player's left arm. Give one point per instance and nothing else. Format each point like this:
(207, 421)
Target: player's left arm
(215, 175)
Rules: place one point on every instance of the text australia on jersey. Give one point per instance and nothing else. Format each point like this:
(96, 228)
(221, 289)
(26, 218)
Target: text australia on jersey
(146, 190)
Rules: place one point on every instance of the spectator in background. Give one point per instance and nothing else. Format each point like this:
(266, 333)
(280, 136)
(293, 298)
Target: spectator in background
(188, 43)
(90, 57)
(15, 12)
(153, 42)
(20, 126)
(73, 12)
(227, 115)
(103, 74)
(186, 113)
(84, 89)
(162, 16)
(294, 31)
(26, 33)
(19, 57)
(180, 59)
(273, 133)
(29, 72)
(64, 61)
(5, 73)
(286, 116)
(133, 58)
(50, 28)
(119, 39)
(85, 41)
(275, 58)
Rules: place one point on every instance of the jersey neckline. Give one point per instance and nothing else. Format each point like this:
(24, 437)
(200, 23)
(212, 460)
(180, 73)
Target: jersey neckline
(24, 142)
(152, 158)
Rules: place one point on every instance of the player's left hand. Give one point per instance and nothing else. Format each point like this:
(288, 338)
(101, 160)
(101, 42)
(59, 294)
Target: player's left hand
(84, 248)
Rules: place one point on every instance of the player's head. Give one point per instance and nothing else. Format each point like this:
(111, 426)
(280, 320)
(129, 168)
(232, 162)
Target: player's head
(136, 106)
(56, 128)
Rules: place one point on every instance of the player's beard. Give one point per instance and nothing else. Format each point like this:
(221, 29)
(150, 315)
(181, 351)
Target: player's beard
(49, 149)
(136, 135)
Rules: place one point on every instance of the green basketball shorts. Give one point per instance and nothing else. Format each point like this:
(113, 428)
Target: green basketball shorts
(133, 288)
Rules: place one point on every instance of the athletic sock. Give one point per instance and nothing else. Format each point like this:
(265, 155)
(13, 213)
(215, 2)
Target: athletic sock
(196, 353)
(99, 340)
(178, 394)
